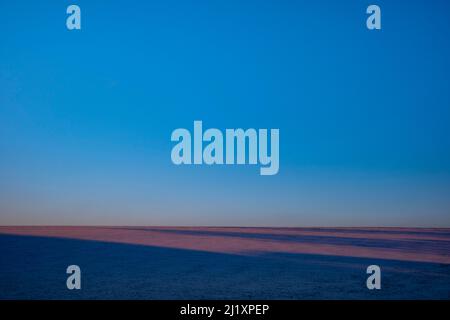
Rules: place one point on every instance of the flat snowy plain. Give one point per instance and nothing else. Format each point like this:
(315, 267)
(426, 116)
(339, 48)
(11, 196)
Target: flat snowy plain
(224, 263)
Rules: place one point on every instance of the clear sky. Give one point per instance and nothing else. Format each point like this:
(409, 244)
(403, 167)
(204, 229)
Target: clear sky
(86, 116)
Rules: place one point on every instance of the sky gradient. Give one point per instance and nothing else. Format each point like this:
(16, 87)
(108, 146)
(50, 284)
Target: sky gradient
(86, 116)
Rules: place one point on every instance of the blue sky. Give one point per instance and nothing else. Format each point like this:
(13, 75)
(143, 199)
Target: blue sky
(86, 116)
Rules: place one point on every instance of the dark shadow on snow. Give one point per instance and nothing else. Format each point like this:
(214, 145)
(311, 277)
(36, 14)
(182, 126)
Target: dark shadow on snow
(34, 268)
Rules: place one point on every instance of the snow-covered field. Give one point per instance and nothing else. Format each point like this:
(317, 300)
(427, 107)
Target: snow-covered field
(224, 263)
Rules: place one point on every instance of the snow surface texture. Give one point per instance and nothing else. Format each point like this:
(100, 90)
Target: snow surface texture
(224, 263)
